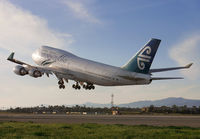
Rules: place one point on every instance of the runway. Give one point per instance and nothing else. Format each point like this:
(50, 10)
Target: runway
(191, 121)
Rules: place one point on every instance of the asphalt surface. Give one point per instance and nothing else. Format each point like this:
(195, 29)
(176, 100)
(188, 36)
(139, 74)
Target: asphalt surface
(192, 121)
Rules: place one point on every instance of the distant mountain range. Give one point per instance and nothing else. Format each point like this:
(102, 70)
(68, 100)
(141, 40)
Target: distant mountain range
(162, 102)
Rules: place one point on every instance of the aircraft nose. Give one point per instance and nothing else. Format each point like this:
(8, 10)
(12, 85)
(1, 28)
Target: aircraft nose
(36, 57)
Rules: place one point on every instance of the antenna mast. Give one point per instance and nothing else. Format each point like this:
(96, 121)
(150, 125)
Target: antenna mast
(112, 101)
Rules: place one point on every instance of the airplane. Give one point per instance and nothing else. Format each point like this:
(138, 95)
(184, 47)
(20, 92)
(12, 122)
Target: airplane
(86, 73)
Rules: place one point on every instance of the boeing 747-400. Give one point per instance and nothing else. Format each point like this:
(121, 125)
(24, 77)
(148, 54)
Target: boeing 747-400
(86, 73)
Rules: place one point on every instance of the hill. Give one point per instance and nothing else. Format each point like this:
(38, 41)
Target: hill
(162, 102)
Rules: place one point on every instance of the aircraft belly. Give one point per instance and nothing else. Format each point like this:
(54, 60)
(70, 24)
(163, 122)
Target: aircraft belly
(89, 78)
(95, 73)
(100, 79)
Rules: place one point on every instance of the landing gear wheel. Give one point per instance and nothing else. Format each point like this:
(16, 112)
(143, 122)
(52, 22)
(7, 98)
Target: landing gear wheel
(62, 86)
(89, 86)
(60, 82)
(76, 86)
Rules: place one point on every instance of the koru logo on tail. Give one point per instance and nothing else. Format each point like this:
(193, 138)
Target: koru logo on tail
(142, 58)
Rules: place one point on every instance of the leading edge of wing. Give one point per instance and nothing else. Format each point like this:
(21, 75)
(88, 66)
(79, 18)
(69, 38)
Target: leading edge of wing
(168, 69)
(11, 58)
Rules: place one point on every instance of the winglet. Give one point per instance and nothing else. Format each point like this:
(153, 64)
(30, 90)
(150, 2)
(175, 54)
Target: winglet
(189, 65)
(11, 56)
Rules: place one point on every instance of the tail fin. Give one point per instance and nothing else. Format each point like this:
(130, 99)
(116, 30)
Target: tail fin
(141, 62)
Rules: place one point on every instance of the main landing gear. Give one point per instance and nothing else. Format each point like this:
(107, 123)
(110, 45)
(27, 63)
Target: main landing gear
(61, 84)
(88, 86)
(85, 86)
(76, 86)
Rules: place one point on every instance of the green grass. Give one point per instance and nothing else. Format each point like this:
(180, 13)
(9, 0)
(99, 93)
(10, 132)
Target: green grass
(18, 130)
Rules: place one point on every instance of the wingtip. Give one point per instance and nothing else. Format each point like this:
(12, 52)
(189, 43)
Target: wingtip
(11, 56)
(189, 65)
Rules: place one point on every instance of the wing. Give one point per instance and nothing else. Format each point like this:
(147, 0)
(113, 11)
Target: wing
(11, 58)
(172, 68)
(37, 71)
(46, 70)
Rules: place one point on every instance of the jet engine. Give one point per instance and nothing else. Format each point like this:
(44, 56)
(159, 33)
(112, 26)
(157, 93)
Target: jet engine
(20, 70)
(35, 73)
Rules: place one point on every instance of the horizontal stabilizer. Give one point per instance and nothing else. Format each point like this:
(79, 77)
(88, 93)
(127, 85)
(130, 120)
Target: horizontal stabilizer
(189, 65)
(168, 69)
(166, 78)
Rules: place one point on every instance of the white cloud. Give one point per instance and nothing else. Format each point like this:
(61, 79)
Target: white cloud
(80, 10)
(187, 51)
(22, 31)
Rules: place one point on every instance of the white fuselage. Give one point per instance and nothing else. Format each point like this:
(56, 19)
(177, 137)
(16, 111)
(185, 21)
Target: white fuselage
(69, 66)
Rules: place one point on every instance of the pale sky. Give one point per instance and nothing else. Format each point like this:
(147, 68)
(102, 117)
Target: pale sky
(110, 32)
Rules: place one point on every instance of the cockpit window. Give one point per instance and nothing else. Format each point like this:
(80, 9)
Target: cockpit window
(49, 56)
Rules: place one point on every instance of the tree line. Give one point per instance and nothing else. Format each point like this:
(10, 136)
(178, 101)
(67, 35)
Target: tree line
(93, 110)
(175, 109)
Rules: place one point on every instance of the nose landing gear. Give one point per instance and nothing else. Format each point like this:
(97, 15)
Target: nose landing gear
(61, 84)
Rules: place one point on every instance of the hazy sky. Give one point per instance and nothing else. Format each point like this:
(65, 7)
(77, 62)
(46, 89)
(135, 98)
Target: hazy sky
(108, 31)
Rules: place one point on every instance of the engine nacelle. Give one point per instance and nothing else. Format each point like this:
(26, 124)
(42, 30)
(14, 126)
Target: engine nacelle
(35, 73)
(20, 70)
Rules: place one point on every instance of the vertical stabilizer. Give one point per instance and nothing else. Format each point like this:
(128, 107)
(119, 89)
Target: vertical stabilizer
(141, 62)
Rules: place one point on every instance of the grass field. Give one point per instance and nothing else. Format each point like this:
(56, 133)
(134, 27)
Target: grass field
(30, 130)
